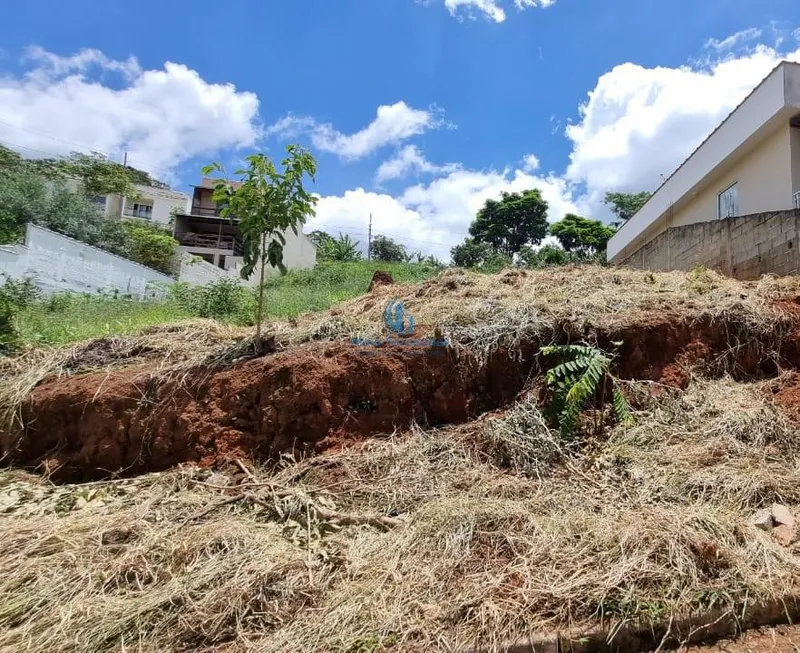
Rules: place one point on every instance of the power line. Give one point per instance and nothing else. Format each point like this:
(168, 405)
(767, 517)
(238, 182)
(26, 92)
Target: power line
(54, 138)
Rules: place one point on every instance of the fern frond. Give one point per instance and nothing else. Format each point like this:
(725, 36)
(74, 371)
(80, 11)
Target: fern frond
(622, 409)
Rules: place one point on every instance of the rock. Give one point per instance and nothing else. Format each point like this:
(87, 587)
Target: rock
(380, 279)
(763, 520)
(218, 478)
(782, 515)
(783, 535)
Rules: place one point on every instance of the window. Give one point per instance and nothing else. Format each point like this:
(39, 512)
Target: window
(99, 200)
(729, 202)
(142, 211)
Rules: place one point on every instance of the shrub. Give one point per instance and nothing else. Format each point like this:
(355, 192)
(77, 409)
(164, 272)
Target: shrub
(150, 245)
(14, 296)
(225, 299)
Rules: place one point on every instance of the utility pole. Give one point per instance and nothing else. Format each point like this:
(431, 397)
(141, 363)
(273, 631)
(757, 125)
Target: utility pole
(369, 239)
(125, 160)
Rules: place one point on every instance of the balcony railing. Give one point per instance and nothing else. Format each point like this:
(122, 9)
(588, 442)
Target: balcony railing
(211, 241)
(797, 200)
(205, 211)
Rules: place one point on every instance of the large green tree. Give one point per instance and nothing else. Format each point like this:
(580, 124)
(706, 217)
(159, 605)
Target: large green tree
(267, 202)
(626, 205)
(516, 220)
(584, 237)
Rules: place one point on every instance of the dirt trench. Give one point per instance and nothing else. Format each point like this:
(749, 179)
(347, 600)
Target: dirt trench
(322, 395)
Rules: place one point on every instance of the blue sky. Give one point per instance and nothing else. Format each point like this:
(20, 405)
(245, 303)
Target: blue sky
(417, 111)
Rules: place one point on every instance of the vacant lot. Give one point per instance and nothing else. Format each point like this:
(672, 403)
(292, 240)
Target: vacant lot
(171, 491)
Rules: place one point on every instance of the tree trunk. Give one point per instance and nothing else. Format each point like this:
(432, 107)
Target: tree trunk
(260, 309)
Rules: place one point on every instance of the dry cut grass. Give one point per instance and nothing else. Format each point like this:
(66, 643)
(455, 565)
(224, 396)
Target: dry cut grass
(505, 531)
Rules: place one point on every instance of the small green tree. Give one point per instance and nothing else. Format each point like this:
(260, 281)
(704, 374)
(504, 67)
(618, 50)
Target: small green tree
(150, 245)
(342, 249)
(518, 219)
(386, 249)
(267, 203)
(479, 256)
(581, 236)
(626, 205)
(543, 257)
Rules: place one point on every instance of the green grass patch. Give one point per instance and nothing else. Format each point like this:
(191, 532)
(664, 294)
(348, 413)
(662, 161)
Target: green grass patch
(65, 318)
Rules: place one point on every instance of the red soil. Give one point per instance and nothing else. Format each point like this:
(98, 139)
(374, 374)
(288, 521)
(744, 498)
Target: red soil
(320, 395)
(380, 279)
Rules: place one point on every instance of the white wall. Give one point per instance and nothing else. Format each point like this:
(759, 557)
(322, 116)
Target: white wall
(58, 263)
(164, 203)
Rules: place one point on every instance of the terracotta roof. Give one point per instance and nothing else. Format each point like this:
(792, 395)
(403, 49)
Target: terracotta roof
(210, 183)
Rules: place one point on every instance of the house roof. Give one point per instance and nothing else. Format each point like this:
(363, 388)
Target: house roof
(210, 183)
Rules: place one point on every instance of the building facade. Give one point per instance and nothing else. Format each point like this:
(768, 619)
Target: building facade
(157, 205)
(202, 232)
(749, 166)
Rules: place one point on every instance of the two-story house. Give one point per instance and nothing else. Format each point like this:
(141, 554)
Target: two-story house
(202, 232)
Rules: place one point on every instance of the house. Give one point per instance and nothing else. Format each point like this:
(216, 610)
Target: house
(733, 204)
(154, 204)
(201, 231)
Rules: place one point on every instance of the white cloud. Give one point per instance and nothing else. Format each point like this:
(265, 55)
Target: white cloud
(160, 117)
(393, 124)
(410, 161)
(729, 43)
(491, 9)
(435, 216)
(530, 162)
(641, 123)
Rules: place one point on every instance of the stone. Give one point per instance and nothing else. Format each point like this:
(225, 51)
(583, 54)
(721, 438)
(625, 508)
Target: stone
(782, 515)
(763, 520)
(783, 535)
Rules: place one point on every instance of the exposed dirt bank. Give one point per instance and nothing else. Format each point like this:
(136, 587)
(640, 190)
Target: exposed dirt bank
(319, 395)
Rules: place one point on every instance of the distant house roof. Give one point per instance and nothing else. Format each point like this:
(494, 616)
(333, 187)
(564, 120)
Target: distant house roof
(210, 183)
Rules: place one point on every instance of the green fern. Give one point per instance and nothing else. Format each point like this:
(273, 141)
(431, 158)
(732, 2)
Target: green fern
(583, 372)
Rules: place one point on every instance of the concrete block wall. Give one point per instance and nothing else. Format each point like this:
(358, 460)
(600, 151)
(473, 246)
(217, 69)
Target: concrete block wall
(58, 263)
(744, 247)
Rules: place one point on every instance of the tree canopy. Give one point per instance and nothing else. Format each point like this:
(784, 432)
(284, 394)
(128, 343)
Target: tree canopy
(517, 219)
(626, 205)
(584, 237)
(329, 248)
(386, 249)
(480, 256)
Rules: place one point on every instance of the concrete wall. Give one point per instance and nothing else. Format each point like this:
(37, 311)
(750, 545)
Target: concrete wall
(200, 273)
(745, 247)
(58, 263)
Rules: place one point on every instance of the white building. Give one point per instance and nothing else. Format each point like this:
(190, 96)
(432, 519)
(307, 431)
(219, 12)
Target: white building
(156, 205)
(749, 165)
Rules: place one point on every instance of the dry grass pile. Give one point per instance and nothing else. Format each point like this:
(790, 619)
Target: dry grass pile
(651, 521)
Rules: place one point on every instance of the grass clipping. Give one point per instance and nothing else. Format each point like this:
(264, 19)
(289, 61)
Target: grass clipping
(651, 522)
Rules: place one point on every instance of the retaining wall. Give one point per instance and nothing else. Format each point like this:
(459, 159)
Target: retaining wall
(744, 247)
(58, 263)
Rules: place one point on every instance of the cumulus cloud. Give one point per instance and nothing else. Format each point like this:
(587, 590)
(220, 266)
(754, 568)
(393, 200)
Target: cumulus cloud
(410, 161)
(491, 9)
(159, 117)
(393, 124)
(530, 162)
(434, 216)
(638, 124)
